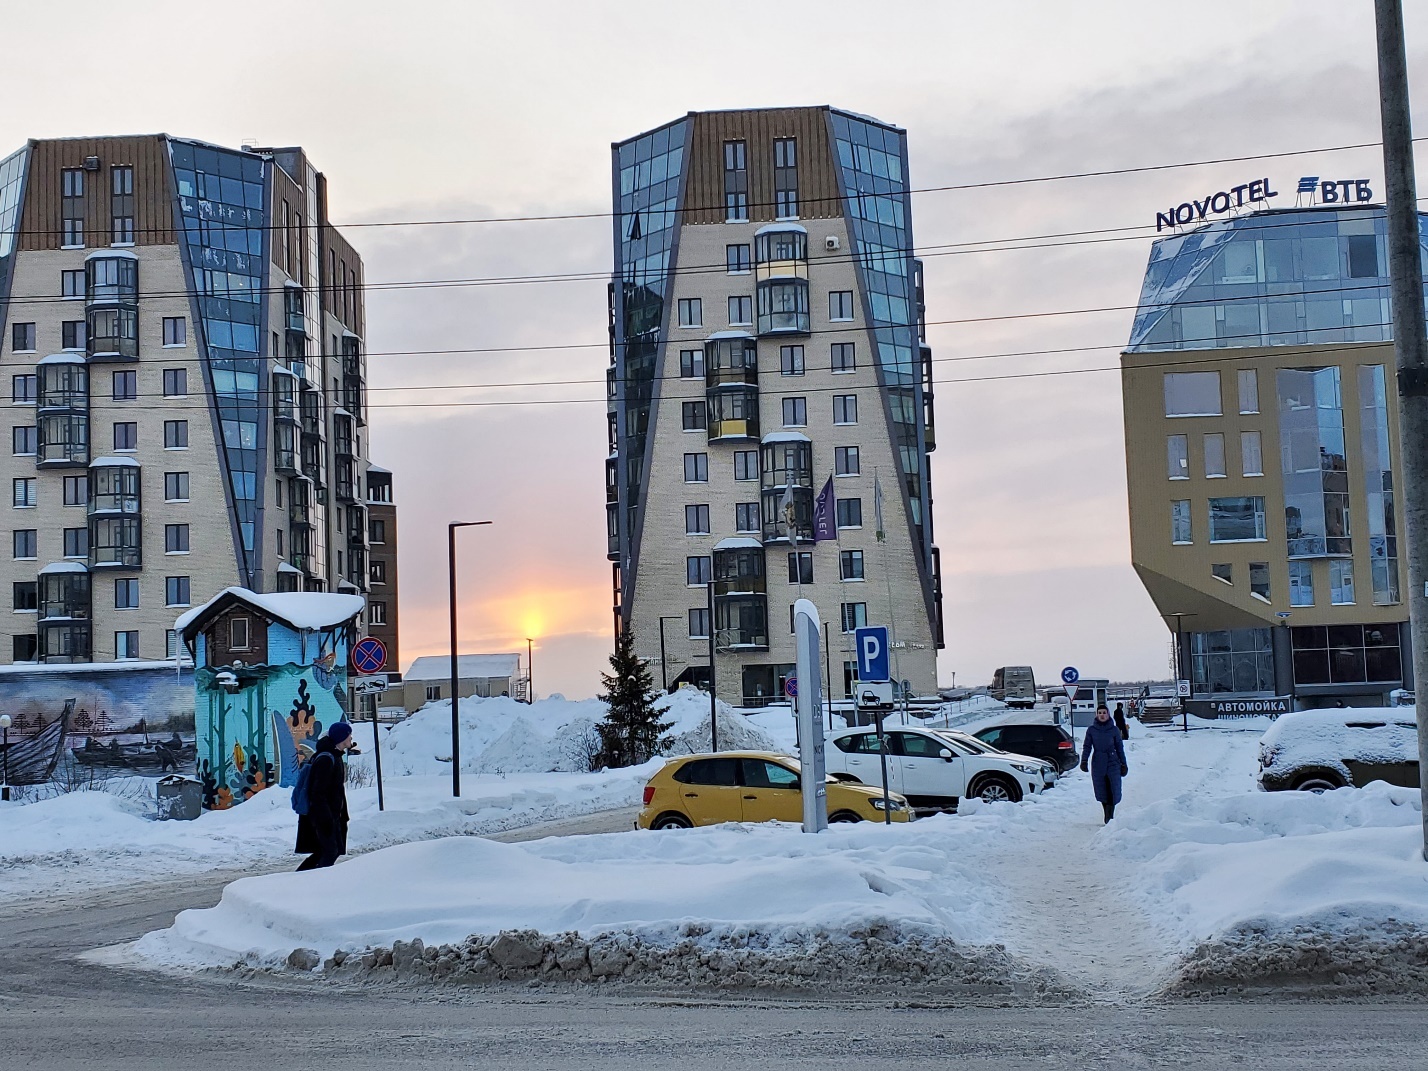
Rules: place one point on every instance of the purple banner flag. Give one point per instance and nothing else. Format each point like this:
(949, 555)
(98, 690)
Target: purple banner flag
(825, 524)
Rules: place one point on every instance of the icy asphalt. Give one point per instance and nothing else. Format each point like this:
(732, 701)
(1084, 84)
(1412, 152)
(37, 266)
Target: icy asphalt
(60, 1011)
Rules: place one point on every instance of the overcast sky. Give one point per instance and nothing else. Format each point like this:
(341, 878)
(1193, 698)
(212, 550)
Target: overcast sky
(433, 110)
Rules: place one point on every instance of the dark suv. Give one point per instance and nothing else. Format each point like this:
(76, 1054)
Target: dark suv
(1049, 742)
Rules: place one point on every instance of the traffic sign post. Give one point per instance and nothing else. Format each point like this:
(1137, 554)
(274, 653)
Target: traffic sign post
(1069, 676)
(790, 687)
(871, 644)
(368, 656)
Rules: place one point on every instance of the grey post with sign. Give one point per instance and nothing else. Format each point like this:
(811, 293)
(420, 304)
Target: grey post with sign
(808, 705)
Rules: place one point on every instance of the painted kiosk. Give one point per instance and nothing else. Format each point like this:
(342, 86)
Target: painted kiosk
(270, 674)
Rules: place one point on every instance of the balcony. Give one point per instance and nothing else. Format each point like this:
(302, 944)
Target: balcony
(285, 395)
(62, 412)
(929, 422)
(114, 486)
(786, 481)
(115, 540)
(740, 595)
(293, 309)
(66, 642)
(781, 274)
(64, 592)
(111, 305)
(346, 480)
(343, 436)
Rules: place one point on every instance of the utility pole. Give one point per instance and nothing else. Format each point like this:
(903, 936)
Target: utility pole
(1410, 339)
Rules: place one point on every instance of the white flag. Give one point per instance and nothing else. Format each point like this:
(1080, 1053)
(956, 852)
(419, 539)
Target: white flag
(878, 530)
(786, 505)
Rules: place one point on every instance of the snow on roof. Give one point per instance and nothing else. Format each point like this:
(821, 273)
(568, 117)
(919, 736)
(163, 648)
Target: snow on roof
(717, 335)
(65, 567)
(378, 468)
(438, 667)
(105, 254)
(284, 567)
(780, 228)
(62, 358)
(111, 459)
(786, 437)
(283, 370)
(297, 609)
(738, 543)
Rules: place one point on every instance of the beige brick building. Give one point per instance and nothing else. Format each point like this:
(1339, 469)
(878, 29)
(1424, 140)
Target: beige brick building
(770, 398)
(182, 347)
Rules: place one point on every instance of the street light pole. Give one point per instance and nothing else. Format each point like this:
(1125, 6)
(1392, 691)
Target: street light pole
(530, 674)
(1284, 616)
(713, 714)
(1180, 673)
(455, 697)
(5, 780)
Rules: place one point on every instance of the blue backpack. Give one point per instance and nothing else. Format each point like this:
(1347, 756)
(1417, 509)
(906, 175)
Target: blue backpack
(300, 800)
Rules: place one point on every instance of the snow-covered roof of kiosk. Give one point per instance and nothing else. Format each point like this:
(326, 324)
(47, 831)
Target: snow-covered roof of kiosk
(296, 609)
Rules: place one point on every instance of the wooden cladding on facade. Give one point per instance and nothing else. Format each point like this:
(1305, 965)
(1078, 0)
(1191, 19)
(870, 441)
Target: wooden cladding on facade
(42, 226)
(818, 192)
(342, 279)
(248, 627)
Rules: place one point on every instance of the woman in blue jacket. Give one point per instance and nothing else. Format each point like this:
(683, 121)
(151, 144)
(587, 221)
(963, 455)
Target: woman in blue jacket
(1106, 754)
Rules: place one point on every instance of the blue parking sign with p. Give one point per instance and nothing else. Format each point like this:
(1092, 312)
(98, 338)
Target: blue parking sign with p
(871, 642)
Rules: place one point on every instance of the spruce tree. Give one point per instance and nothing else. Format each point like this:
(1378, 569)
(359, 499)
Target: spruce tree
(631, 731)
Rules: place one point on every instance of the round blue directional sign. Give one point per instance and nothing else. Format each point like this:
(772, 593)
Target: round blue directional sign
(369, 655)
(1069, 675)
(790, 687)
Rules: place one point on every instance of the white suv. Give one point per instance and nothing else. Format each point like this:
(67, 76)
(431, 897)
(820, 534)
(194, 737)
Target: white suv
(936, 768)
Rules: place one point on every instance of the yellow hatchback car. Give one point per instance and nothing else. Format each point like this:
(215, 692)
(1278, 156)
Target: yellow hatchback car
(750, 786)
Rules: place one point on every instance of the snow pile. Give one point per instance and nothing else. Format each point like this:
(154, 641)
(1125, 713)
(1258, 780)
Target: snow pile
(688, 712)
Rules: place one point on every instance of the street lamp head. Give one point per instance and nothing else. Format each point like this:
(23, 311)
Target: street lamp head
(467, 524)
(4, 721)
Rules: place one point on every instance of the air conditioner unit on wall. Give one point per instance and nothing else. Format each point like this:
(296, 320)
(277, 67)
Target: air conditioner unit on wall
(91, 163)
(832, 243)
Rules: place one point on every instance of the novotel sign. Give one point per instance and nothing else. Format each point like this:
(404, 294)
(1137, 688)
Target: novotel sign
(1259, 191)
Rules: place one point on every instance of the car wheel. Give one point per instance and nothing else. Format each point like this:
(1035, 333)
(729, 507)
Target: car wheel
(671, 821)
(997, 790)
(1318, 783)
(845, 816)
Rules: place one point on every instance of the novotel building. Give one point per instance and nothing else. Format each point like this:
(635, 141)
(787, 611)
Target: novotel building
(1262, 451)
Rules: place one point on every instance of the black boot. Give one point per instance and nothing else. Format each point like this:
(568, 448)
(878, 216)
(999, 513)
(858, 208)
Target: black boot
(1110, 811)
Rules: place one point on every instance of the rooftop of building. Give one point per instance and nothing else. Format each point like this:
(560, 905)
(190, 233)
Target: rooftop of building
(468, 666)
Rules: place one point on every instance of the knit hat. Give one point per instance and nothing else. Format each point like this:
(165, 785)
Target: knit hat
(338, 731)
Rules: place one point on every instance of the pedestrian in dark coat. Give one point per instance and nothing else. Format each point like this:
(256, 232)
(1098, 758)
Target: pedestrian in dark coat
(322, 832)
(1106, 755)
(1120, 719)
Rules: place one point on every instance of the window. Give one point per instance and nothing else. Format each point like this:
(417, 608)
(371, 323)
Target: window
(1301, 583)
(176, 487)
(1192, 394)
(697, 570)
(24, 493)
(175, 539)
(377, 531)
(843, 357)
(736, 182)
(746, 517)
(1251, 455)
(24, 441)
(23, 389)
(850, 513)
(1341, 581)
(76, 490)
(800, 567)
(121, 205)
(126, 386)
(72, 283)
(175, 382)
(238, 633)
(126, 435)
(72, 207)
(695, 415)
(696, 520)
(1225, 573)
(175, 331)
(377, 614)
(433, 692)
(1180, 521)
(845, 461)
(175, 434)
(1363, 256)
(840, 305)
(1259, 580)
(790, 360)
(785, 178)
(746, 464)
(278, 533)
(1249, 391)
(850, 564)
(691, 364)
(26, 543)
(379, 572)
(696, 468)
(1177, 450)
(176, 591)
(22, 338)
(25, 596)
(25, 648)
(1346, 654)
(73, 334)
(691, 312)
(741, 310)
(738, 259)
(1214, 455)
(1236, 520)
(699, 623)
(126, 594)
(845, 408)
(76, 542)
(126, 644)
(795, 412)
(855, 615)
(171, 643)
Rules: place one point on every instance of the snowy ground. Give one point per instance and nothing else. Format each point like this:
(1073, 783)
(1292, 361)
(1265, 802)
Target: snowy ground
(1201, 882)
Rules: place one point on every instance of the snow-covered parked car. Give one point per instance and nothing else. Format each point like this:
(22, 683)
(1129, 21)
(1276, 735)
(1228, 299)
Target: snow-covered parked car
(936, 768)
(1320, 750)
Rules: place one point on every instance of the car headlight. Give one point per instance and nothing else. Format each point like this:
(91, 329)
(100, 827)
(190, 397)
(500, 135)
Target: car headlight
(880, 804)
(1024, 768)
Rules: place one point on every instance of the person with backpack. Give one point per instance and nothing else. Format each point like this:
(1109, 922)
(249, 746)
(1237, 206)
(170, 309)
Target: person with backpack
(320, 799)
